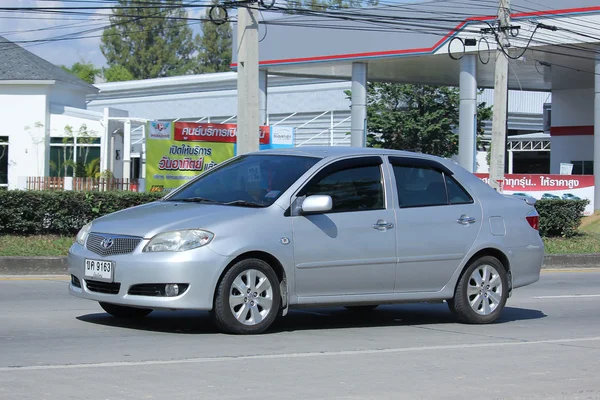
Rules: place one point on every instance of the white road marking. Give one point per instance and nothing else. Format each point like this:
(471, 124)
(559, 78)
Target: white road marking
(202, 360)
(567, 296)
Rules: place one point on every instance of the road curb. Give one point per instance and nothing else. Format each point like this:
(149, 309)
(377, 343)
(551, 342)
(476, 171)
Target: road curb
(33, 265)
(572, 260)
(58, 265)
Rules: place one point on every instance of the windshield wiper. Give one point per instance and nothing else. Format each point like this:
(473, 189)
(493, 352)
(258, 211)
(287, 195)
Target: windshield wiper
(196, 200)
(244, 203)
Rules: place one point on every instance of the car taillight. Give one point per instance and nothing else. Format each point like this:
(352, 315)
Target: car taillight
(534, 221)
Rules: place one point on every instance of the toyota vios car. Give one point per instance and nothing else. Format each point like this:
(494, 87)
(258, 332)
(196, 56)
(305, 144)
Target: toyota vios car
(277, 229)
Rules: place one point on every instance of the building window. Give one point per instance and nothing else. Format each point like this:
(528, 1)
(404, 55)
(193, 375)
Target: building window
(76, 155)
(583, 167)
(3, 161)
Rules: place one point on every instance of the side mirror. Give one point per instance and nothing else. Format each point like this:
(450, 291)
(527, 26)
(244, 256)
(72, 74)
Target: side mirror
(317, 204)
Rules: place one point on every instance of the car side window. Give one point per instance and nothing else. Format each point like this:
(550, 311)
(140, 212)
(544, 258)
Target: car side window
(425, 186)
(420, 186)
(352, 189)
(456, 193)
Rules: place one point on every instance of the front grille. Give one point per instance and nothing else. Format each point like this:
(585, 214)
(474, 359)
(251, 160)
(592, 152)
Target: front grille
(75, 281)
(120, 244)
(103, 287)
(154, 289)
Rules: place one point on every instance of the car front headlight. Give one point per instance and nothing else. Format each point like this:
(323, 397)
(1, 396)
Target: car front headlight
(83, 233)
(179, 240)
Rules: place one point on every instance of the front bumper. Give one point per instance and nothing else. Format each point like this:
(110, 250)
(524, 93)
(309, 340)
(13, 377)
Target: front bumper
(199, 268)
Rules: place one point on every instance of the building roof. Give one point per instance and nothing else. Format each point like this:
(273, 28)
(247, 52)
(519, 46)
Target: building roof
(18, 64)
(531, 136)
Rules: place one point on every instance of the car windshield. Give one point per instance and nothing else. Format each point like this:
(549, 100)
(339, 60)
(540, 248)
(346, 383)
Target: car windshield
(249, 181)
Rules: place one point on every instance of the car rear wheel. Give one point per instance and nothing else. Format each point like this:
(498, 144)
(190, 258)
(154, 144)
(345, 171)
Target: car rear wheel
(124, 311)
(248, 298)
(481, 292)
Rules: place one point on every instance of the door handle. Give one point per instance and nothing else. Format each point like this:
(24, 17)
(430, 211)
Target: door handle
(382, 225)
(465, 220)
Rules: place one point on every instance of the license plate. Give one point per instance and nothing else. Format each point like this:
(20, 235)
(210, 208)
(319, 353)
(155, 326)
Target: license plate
(99, 270)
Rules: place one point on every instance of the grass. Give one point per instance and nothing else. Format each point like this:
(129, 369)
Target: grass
(32, 246)
(586, 241)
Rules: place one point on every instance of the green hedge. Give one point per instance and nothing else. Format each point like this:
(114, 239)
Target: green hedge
(560, 217)
(63, 213)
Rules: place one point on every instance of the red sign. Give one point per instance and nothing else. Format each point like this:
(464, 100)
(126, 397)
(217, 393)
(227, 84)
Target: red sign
(530, 182)
(223, 133)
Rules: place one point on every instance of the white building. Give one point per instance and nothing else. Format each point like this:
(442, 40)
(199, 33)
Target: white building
(46, 128)
(319, 109)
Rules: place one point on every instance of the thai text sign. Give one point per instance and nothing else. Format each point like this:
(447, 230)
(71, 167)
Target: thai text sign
(178, 151)
(569, 187)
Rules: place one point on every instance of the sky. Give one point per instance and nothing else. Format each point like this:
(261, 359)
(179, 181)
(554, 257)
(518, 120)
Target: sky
(25, 28)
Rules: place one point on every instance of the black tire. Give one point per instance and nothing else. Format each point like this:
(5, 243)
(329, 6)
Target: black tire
(124, 311)
(362, 309)
(460, 306)
(222, 313)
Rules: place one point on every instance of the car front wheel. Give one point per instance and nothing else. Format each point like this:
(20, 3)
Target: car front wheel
(248, 298)
(124, 311)
(481, 292)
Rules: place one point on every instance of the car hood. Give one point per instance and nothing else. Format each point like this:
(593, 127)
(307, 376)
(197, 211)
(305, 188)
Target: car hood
(150, 219)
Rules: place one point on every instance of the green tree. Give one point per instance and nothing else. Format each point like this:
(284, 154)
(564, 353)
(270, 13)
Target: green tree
(416, 118)
(84, 71)
(117, 73)
(317, 5)
(151, 41)
(214, 47)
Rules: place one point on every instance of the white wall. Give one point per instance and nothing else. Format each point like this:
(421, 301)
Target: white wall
(570, 148)
(68, 95)
(23, 106)
(482, 164)
(58, 122)
(573, 107)
(113, 128)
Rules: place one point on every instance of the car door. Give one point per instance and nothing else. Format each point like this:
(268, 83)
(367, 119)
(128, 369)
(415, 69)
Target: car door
(437, 222)
(352, 248)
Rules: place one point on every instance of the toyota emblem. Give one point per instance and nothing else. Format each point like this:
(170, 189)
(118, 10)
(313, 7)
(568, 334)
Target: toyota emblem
(106, 243)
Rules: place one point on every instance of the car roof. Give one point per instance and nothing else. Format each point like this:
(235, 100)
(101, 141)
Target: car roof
(340, 151)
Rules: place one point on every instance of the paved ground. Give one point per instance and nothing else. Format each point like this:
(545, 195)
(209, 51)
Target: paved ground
(546, 346)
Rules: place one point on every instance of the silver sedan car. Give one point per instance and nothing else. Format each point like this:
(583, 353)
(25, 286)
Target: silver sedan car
(305, 227)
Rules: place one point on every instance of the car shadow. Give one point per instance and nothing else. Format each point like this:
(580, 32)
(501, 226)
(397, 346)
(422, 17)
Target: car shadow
(200, 322)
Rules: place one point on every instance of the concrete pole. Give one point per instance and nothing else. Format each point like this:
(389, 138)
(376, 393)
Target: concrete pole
(262, 96)
(247, 80)
(358, 125)
(105, 150)
(467, 123)
(500, 102)
(597, 135)
(127, 150)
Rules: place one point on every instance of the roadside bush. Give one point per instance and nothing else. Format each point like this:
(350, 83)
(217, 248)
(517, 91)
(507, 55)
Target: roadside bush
(63, 213)
(560, 217)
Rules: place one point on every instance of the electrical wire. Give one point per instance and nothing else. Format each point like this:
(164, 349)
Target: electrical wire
(440, 23)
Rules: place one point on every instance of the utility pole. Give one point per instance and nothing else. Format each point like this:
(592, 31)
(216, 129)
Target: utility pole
(500, 99)
(247, 78)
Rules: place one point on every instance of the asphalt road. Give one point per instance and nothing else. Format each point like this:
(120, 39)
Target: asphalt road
(546, 346)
